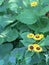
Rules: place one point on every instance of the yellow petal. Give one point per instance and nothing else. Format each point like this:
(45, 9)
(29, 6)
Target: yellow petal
(42, 36)
(35, 45)
(34, 3)
(30, 35)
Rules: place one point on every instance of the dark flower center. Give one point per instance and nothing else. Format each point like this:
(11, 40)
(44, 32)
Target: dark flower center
(31, 47)
(37, 36)
(38, 48)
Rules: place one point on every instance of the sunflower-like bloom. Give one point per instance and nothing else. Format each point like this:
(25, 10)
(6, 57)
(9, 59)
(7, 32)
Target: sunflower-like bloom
(38, 36)
(33, 4)
(30, 47)
(30, 35)
(38, 49)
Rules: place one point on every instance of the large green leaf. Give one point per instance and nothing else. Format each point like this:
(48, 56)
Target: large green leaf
(10, 34)
(18, 52)
(44, 27)
(6, 20)
(5, 49)
(27, 16)
(36, 58)
(38, 25)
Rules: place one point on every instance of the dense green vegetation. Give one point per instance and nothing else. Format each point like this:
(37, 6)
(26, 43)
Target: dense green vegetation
(24, 32)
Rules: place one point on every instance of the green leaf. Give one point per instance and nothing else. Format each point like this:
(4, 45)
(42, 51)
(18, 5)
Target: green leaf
(13, 7)
(22, 27)
(36, 58)
(45, 29)
(2, 62)
(18, 53)
(27, 42)
(27, 60)
(48, 61)
(44, 10)
(44, 2)
(45, 42)
(43, 62)
(38, 25)
(1, 39)
(6, 20)
(26, 2)
(29, 54)
(6, 48)
(10, 34)
(27, 17)
(1, 1)
(24, 35)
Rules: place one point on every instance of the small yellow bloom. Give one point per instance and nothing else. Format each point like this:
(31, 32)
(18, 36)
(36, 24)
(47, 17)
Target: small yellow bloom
(38, 36)
(33, 4)
(30, 35)
(38, 49)
(30, 47)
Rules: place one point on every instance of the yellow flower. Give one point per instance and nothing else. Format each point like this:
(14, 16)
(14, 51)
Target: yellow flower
(34, 4)
(38, 36)
(30, 35)
(30, 47)
(38, 49)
